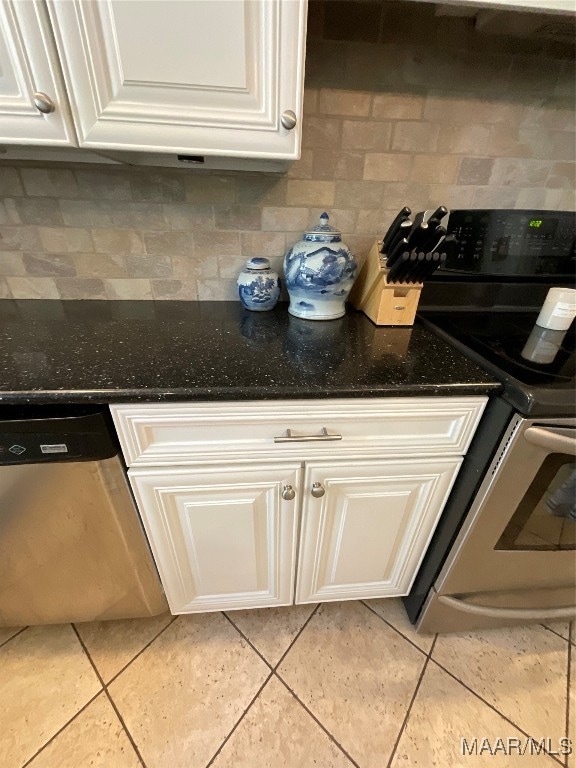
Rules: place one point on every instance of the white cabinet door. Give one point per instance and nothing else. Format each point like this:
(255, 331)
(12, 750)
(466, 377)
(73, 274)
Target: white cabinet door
(29, 65)
(184, 76)
(222, 538)
(366, 535)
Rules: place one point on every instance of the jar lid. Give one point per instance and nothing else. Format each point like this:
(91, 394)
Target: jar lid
(258, 262)
(323, 232)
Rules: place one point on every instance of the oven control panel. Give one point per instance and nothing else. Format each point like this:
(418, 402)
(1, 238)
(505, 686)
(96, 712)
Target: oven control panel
(513, 242)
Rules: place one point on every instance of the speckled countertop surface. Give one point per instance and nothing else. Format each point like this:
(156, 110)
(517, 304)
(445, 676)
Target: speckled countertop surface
(100, 351)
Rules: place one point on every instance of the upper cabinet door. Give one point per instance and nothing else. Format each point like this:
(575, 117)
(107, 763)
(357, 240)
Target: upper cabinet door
(184, 76)
(29, 71)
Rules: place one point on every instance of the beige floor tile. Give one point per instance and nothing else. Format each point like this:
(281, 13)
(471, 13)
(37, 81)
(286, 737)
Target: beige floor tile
(7, 632)
(181, 697)
(519, 670)
(45, 678)
(392, 610)
(272, 629)
(112, 644)
(277, 732)
(94, 739)
(444, 712)
(357, 675)
(561, 628)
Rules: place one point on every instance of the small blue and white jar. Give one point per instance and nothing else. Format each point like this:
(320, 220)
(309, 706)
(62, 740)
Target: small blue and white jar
(319, 271)
(258, 285)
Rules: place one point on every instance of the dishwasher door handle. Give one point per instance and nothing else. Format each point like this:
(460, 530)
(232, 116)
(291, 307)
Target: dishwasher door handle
(540, 614)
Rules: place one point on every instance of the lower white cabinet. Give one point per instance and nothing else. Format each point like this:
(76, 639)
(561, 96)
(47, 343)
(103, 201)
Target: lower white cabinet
(255, 504)
(366, 526)
(225, 538)
(222, 538)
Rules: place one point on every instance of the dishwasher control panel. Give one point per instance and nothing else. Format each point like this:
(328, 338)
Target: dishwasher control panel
(28, 447)
(35, 440)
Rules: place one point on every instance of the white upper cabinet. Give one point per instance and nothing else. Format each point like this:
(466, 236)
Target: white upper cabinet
(29, 71)
(184, 76)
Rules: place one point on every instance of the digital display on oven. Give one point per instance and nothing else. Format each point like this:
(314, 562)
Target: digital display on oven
(542, 227)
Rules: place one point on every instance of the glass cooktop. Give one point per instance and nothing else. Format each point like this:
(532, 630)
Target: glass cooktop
(537, 365)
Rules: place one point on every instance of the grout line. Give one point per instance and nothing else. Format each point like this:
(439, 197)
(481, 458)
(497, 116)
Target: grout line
(114, 707)
(313, 716)
(141, 651)
(125, 727)
(248, 641)
(13, 636)
(555, 633)
(412, 643)
(272, 672)
(411, 704)
(94, 667)
(492, 707)
(242, 716)
(569, 673)
(296, 636)
(63, 728)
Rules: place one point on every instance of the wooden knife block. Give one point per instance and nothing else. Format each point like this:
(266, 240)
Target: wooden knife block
(383, 302)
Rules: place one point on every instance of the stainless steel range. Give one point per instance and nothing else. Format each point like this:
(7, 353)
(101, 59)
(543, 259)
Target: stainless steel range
(504, 552)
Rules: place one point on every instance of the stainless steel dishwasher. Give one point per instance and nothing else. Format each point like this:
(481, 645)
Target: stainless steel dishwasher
(72, 547)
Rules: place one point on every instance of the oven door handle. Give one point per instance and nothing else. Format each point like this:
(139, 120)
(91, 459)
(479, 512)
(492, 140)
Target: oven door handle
(540, 614)
(553, 439)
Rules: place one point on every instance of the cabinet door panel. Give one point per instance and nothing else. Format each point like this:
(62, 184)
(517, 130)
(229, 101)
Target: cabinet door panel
(198, 77)
(365, 537)
(221, 538)
(28, 64)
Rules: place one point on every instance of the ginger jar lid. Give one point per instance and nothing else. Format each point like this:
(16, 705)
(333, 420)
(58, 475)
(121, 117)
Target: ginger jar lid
(323, 232)
(257, 263)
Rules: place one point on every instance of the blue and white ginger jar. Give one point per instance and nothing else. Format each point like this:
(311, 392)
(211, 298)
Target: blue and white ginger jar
(258, 285)
(319, 272)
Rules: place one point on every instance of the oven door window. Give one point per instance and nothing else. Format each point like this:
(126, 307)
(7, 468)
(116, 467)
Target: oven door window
(546, 517)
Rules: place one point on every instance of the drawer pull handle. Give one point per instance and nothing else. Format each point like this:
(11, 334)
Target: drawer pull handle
(290, 438)
(288, 493)
(317, 490)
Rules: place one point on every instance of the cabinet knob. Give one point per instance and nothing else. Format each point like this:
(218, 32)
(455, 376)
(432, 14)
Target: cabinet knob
(288, 493)
(43, 103)
(317, 490)
(288, 119)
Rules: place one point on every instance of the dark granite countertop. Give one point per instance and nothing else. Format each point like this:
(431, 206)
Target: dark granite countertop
(114, 351)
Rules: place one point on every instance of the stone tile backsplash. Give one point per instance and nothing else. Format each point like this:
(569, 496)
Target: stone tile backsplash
(401, 107)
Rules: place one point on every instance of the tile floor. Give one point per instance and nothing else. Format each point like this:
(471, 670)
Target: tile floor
(336, 685)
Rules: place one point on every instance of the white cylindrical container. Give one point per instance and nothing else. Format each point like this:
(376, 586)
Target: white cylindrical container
(543, 345)
(558, 310)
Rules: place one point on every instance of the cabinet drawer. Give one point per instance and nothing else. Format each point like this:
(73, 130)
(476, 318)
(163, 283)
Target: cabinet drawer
(206, 433)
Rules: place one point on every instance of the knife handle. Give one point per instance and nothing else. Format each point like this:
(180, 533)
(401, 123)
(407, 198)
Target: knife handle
(418, 236)
(393, 228)
(432, 265)
(396, 252)
(398, 267)
(438, 215)
(450, 246)
(436, 237)
(418, 269)
(402, 232)
(406, 266)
